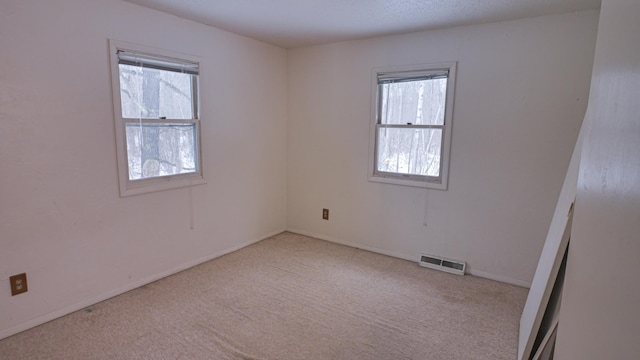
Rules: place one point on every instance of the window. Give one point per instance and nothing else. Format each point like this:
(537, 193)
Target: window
(411, 132)
(157, 118)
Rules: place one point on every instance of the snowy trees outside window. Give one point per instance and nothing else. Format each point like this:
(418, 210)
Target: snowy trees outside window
(157, 149)
(156, 112)
(413, 124)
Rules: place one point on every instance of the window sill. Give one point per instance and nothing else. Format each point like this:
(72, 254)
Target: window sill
(160, 184)
(413, 183)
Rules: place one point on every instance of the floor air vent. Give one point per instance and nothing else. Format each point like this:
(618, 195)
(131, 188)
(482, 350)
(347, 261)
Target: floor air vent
(439, 263)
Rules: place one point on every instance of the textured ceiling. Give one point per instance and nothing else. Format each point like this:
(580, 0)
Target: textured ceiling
(294, 23)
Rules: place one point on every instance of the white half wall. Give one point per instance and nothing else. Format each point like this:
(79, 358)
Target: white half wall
(599, 316)
(521, 94)
(61, 219)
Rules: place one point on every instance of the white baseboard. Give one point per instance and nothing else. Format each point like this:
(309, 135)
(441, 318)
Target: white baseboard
(121, 290)
(355, 245)
(500, 278)
(472, 272)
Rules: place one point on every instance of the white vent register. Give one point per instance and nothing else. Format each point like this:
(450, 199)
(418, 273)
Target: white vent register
(443, 264)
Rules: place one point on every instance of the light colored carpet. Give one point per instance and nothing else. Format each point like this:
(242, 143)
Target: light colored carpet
(291, 297)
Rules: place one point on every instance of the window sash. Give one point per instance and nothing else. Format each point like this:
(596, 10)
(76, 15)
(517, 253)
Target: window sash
(194, 91)
(416, 177)
(196, 147)
(398, 79)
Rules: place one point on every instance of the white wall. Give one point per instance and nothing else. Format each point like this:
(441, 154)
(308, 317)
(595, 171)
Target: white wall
(599, 316)
(521, 94)
(61, 219)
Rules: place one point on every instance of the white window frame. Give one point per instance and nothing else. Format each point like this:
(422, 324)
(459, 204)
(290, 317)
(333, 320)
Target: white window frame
(441, 182)
(142, 186)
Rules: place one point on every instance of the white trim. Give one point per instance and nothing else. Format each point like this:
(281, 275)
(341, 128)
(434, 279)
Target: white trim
(395, 181)
(354, 245)
(412, 258)
(160, 184)
(499, 278)
(135, 187)
(123, 289)
(446, 146)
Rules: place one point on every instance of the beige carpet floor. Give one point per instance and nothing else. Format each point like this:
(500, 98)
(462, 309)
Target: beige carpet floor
(291, 297)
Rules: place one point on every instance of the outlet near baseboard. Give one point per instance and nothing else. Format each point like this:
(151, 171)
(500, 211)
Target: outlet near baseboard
(325, 214)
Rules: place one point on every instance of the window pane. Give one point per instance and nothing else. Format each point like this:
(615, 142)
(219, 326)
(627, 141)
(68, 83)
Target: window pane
(160, 149)
(409, 151)
(153, 94)
(416, 102)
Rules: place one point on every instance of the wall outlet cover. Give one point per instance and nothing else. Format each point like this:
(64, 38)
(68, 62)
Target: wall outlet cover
(18, 284)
